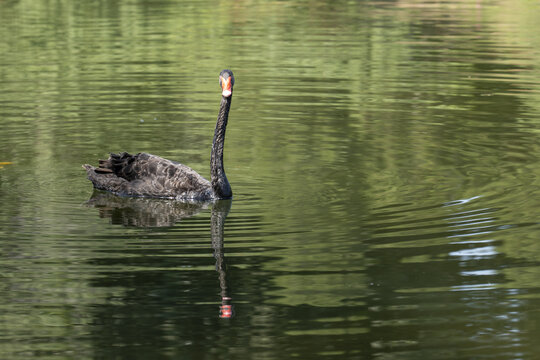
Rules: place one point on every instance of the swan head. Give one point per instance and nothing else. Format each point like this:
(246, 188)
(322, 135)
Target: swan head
(226, 81)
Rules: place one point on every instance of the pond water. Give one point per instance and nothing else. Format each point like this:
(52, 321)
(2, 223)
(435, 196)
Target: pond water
(384, 157)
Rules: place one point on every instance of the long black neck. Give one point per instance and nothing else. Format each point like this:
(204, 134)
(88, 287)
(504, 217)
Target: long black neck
(220, 184)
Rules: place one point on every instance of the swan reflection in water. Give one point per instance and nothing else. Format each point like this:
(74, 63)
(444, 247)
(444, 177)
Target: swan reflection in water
(148, 212)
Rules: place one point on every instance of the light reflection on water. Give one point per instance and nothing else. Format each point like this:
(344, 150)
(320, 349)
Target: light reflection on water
(383, 157)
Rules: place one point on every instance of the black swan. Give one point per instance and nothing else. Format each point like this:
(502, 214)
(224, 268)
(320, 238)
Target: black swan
(152, 176)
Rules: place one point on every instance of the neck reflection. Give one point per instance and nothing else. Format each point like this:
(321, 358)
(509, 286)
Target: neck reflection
(220, 210)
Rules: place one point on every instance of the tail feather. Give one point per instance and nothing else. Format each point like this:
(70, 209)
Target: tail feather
(101, 170)
(105, 179)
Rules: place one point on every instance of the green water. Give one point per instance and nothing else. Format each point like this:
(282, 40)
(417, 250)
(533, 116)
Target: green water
(384, 157)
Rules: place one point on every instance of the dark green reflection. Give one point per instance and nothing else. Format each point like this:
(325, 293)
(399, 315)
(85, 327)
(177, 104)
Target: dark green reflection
(383, 156)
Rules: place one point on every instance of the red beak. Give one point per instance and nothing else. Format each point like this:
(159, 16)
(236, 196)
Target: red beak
(226, 86)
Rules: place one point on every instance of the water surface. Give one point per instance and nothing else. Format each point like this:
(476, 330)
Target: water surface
(383, 156)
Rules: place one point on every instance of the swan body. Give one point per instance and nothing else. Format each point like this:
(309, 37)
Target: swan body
(149, 175)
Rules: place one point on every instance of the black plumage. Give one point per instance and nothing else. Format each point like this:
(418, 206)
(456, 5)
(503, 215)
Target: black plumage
(148, 175)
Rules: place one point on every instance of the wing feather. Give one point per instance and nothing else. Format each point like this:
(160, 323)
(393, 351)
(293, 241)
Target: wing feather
(145, 174)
